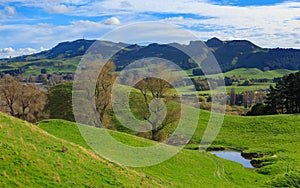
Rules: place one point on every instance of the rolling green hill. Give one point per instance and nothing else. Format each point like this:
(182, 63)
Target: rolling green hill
(275, 139)
(31, 157)
(35, 156)
(189, 168)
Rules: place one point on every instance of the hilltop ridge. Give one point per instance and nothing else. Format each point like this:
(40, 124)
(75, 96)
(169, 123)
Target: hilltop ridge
(229, 54)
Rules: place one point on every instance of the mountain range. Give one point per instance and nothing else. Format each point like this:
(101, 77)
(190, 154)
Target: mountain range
(229, 54)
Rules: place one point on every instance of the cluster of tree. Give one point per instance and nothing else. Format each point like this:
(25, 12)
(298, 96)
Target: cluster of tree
(59, 104)
(245, 83)
(247, 99)
(148, 101)
(50, 79)
(202, 84)
(25, 101)
(13, 72)
(227, 81)
(252, 97)
(284, 98)
(262, 80)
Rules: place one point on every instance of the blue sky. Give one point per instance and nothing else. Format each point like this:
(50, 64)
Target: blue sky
(28, 26)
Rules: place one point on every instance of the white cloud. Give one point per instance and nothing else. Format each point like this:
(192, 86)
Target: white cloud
(268, 26)
(112, 21)
(10, 10)
(10, 52)
(60, 9)
(241, 22)
(174, 19)
(86, 24)
(150, 32)
(49, 35)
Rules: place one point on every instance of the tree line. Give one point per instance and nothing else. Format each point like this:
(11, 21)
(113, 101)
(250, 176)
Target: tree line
(284, 98)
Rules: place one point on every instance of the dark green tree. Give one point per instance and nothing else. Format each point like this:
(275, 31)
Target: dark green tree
(285, 97)
(59, 104)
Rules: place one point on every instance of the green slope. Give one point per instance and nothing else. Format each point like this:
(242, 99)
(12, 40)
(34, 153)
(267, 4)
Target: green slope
(189, 168)
(31, 157)
(277, 138)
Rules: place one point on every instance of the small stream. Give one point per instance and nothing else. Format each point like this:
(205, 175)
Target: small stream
(233, 156)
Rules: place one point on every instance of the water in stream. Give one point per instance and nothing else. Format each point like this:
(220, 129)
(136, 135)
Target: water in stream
(233, 156)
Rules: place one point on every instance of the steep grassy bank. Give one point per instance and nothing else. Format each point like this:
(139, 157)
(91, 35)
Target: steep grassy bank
(31, 157)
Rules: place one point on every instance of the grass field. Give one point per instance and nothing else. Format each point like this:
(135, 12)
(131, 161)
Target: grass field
(34, 156)
(242, 73)
(253, 73)
(278, 142)
(189, 168)
(31, 157)
(52, 66)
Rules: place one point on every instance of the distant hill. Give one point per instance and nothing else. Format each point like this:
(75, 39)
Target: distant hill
(244, 54)
(66, 50)
(230, 54)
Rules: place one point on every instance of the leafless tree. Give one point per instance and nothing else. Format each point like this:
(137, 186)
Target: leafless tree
(20, 100)
(104, 85)
(10, 93)
(31, 102)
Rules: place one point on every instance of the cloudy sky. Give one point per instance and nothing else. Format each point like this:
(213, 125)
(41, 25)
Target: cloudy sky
(28, 26)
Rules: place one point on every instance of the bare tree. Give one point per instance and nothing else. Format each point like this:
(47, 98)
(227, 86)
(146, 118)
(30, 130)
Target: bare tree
(10, 92)
(31, 102)
(104, 85)
(22, 101)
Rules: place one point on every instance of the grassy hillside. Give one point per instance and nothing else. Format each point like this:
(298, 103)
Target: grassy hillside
(189, 168)
(275, 139)
(31, 157)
